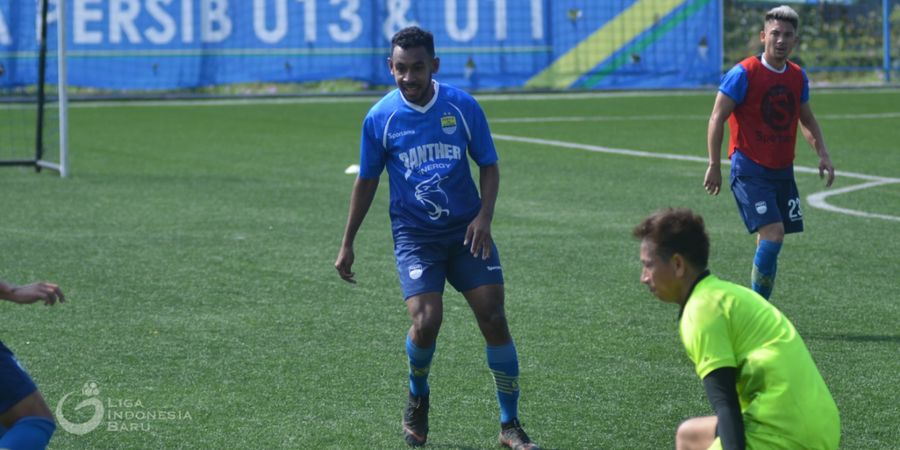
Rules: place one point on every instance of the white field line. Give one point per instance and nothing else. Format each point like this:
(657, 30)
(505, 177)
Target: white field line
(369, 98)
(226, 102)
(372, 97)
(816, 200)
(887, 115)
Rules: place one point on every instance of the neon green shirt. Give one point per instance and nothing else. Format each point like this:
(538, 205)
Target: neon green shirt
(784, 400)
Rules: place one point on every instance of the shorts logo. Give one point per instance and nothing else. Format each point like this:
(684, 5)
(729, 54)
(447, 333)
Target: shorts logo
(415, 271)
(493, 268)
(761, 207)
(448, 124)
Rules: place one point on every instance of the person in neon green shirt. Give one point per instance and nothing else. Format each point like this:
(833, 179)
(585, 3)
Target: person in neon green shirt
(758, 374)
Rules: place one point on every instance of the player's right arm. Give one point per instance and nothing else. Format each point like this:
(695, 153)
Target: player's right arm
(360, 200)
(715, 131)
(30, 293)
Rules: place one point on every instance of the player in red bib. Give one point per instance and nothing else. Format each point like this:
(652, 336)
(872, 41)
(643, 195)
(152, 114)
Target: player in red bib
(763, 98)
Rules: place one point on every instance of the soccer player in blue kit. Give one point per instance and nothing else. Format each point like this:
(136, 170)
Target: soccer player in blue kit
(25, 419)
(422, 133)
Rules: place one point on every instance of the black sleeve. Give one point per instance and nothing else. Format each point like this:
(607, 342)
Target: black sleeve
(722, 394)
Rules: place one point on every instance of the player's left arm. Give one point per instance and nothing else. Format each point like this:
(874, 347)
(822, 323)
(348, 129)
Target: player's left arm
(720, 386)
(809, 126)
(478, 234)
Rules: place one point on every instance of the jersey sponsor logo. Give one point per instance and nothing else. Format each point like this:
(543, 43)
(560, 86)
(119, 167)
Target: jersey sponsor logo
(430, 194)
(761, 207)
(778, 107)
(764, 138)
(401, 134)
(415, 271)
(419, 157)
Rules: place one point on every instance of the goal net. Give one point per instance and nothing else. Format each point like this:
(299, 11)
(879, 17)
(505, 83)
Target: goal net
(33, 107)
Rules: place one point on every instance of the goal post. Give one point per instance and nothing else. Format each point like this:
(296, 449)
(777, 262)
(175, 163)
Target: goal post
(34, 108)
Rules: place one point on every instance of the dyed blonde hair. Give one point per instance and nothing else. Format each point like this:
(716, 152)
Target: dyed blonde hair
(784, 13)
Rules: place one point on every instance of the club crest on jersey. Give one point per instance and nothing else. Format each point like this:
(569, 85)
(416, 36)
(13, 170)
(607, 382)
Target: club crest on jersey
(430, 194)
(761, 207)
(448, 123)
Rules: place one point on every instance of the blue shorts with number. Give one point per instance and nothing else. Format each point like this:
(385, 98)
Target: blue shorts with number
(425, 266)
(765, 195)
(15, 384)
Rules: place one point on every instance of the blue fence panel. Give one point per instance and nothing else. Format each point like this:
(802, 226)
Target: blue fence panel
(179, 44)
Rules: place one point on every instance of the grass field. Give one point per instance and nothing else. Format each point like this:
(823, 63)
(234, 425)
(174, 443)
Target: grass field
(196, 246)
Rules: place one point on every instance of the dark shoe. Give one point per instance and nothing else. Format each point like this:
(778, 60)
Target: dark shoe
(513, 436)
(415, 421)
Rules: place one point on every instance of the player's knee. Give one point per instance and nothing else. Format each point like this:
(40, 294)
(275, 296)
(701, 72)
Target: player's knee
(426, 328)
(690, 436)
(683, 437)
(772, 232)
(31, 406)
(41, 408)
(494, 320)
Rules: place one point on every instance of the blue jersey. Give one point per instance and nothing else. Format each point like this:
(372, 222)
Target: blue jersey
(425, 151)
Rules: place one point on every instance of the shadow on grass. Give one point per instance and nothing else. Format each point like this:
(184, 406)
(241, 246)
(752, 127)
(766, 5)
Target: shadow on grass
(433, 445)
(457, 447)
(856, 338)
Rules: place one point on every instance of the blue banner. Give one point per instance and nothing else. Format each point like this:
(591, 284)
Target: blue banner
(179, 44)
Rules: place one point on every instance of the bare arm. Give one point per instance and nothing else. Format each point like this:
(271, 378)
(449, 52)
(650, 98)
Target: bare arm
(478, 234)
(809, 126)
(715, 131)
(48, 292)
(360, 201)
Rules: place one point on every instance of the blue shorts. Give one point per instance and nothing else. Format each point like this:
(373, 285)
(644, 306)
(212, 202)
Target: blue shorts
(425, 266)
(762, 201)
(15, 384)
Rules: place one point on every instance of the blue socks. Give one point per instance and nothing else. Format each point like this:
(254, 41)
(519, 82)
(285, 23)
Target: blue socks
(504, 364)
(765, 264)
(28, 433)
(419, 366)
(502, 360)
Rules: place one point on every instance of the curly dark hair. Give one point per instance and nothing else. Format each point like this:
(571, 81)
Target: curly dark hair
(411, 37)
(676, 230)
